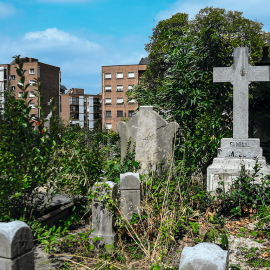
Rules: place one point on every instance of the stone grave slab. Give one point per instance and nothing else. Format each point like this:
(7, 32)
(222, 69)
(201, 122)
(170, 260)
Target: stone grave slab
(102, 217)
(204, 256)
(153, 136)
(130, 194)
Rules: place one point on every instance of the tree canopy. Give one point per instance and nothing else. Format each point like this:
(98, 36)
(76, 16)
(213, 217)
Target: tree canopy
(179, 78)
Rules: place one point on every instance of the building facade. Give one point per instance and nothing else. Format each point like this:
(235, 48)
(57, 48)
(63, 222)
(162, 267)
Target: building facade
(48, 74)
(80, 108)
(116, 81)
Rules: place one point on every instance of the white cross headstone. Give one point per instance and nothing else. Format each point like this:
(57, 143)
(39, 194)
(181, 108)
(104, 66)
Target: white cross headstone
(240, 149)
(240, 75)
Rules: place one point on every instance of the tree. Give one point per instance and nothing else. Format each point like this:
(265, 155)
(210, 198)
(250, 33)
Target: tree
(179, 78)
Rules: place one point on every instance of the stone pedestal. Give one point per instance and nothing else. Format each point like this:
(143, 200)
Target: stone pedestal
(227, 165)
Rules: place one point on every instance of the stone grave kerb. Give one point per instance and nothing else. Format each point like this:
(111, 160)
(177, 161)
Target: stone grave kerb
(153, 136)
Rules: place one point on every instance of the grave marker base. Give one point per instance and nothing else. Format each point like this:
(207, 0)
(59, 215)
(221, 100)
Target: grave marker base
(228, 169)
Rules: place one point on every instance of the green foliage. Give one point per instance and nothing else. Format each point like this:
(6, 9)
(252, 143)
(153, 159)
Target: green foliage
(24, 151)
(128, 164)
(245, 193)
(179, 78)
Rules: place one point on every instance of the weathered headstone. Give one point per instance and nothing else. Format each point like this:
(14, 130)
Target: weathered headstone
(152, 134)
(130, 194)
(16, 243)
(239, 149)
(204, 256)
(102, 217)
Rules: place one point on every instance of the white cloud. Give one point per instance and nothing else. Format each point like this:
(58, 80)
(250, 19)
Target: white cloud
(251, 9)
(6, 10)
(54, 39)
(80, 59)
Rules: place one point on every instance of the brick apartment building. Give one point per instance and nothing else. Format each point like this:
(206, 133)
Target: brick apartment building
(116, 81)
(48, 74)
(81, 108)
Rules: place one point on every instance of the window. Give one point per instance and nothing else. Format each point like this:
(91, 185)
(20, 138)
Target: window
(108, 125)
(130, 113)
(20, 94)
(108, 75)
(130, 87)
(19, 83)
(31, 71)
(74, 100)
(32, 94)
(119, 100)
(32, 105)
(131, 75)
(108, 88)
(119, 88)
(13, 88)
(12, 77)
(119, 113)
(132, 101)
(119, 75)
(32, 82)
(108, 113)
(108, 101)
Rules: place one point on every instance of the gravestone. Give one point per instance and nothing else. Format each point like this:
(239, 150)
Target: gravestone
(239, 149)
(204, 256)
(102, 217)
(16, 243)
(130, 195)
(152, 134)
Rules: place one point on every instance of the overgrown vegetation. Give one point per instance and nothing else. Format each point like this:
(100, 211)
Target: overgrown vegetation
(176, 210)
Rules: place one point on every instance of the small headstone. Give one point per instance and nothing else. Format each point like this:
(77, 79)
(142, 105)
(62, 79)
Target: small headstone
(102, 217)
(130, 194)
(16, 243)
(239, 149)
(204, 256)
(152, 134)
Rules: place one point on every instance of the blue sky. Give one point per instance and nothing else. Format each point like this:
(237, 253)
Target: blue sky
(80, 36)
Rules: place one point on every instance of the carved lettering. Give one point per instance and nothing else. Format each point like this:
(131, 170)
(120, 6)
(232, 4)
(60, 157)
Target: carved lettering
(239, 144)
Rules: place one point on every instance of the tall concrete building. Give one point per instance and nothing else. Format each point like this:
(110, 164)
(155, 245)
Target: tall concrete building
(80, 108)
(116, 81)
(48, 74)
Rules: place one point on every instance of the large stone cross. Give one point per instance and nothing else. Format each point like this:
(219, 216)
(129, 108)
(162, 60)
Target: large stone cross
(241, 74)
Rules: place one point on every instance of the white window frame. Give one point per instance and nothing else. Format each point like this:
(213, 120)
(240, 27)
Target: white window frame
(108, 88)
(32, 105)
(31, 73)
(119, 100)
(31, 82)
(20, 94)
(130, 87)
(12, 77)
(31, 94)
(119, 88)
(108, 75)
(131, 75)
(119, 75)
(132, 101)
(108, 125)
(19, 83)
(108, 101)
